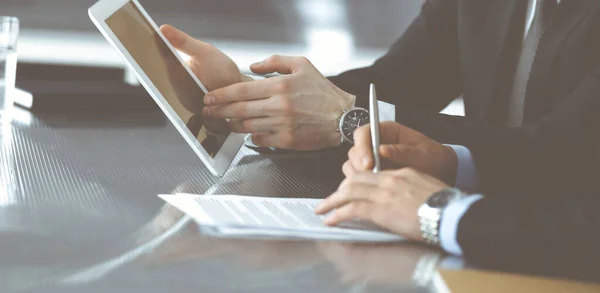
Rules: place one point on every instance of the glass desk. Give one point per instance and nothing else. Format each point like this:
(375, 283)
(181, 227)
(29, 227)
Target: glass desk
(79, 212)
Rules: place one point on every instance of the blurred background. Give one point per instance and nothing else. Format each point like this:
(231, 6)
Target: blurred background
(335, 35)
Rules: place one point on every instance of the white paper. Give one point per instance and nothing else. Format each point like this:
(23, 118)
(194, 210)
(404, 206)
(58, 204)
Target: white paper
(272, 217)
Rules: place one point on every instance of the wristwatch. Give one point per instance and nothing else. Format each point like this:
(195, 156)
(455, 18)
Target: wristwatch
(430, 213)
(351, 120)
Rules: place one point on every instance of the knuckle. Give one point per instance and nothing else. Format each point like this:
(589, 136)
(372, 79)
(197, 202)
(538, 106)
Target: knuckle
(283, 86)
(362, 131)
(246, 126)
(346, 185)
(401, 173)
(287, 124)
(348, 169)
(302, 60)
(353, 209)
(240, 110)
(352, 151)
(271, 105)
(259, 140)
(273, 58)
(407, 172)
(394, 152)
(389, 193)
(398, 177)
(287, 140)
(287, 106)
(354, 154)
(192, 64)
(390, 181)
(243, 91)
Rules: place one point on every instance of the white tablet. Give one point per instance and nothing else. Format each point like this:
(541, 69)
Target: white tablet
(172, 84)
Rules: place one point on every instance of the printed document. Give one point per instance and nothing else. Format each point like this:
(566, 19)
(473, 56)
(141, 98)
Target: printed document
(233, 215)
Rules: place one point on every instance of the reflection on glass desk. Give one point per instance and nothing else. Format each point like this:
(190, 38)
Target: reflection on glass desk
(79, 212)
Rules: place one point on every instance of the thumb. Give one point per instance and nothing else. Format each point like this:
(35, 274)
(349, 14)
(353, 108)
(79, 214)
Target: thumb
(184, 42)
(277, 63)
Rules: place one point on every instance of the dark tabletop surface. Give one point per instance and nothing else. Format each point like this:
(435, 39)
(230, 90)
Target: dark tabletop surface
(79, 212)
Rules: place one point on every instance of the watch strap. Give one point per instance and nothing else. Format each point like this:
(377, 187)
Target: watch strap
(430, 217)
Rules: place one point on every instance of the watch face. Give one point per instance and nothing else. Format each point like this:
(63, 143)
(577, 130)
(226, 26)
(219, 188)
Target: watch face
(442, 198)
(439, 201)
(352, 121)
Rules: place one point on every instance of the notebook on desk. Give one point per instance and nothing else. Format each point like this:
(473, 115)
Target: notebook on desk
(245, 216)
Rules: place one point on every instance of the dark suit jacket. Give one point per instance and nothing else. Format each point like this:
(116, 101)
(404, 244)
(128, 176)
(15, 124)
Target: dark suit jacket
(542, 209)
(549, 234)
(470, 48)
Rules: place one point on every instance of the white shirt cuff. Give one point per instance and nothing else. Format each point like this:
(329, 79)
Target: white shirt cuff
(449, 223)
(387, 111)
(466, 175)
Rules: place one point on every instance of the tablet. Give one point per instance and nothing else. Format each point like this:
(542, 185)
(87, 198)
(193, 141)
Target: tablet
(170, 82)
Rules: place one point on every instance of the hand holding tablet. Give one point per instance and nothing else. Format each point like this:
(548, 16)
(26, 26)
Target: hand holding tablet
(171, 82)
(179, 88)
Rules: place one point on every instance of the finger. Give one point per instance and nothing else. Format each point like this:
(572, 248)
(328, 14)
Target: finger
(271, 139)
(395, 133)
(362, 140)
(354, 210)
(243, 91)
(279, 64)
(398, 143)
(260, 139)
(361, 159)
(351, 192)
(399, 154)
(381, 179)
(254, 125)
(389, 132)
(348, 169)
(184, 42)
(238, 110)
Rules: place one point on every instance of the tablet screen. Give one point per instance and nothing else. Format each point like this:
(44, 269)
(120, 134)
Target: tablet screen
(168, 75)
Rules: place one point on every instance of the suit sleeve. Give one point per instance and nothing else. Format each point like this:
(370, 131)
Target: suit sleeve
(420, 75)
(426, 54)
(557, 153)
(554, 235)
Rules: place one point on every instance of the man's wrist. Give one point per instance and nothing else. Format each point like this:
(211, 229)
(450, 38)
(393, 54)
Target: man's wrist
(336, 139)
(350, 101)
(347, 102)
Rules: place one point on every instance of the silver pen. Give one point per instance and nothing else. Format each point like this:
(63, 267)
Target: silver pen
(374, 121)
